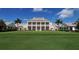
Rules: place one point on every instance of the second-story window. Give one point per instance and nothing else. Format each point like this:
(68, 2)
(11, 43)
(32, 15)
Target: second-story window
(38, 23)
(29, 23)
(47, 23)
(42, 23)
(34, 23)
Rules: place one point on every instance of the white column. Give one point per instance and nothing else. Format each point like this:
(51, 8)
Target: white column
(31, 26)
(40, 26)
(36, 27)
(45, 26)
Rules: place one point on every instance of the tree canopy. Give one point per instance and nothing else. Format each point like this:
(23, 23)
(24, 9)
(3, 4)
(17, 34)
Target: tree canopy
(58, 21)
(2, 25)
(18, 21)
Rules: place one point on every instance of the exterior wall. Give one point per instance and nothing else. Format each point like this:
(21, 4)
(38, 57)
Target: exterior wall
(53, 27)
(21, 27)
(72, 28)
(38, 25)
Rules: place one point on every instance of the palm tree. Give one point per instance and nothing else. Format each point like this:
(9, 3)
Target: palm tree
(17, 22)
(58, 22)
(2, 25)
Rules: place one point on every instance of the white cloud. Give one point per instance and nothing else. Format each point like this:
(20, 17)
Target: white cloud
(25, 19)
(41, 10)
(65, 13)
(47, 11)
(37, 9)
(8, 22)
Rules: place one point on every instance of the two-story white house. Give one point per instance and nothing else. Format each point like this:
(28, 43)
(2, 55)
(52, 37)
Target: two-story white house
(40, 24)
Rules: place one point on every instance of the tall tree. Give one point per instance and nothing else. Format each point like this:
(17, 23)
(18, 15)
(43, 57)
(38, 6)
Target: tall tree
(17, 21)
(2, 25)
(77, 24)
(58, 22)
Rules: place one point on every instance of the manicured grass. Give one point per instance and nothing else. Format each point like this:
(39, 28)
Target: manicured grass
(39, 40)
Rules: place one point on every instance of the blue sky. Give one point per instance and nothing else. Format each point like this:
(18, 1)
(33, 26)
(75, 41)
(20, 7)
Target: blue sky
(66, 14)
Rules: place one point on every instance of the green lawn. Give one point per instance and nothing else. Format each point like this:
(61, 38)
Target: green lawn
(39, 40)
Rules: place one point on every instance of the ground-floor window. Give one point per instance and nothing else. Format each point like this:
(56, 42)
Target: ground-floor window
(29, 27)
(47, 27)
(43, 28)
(34, 28)
(38, 27)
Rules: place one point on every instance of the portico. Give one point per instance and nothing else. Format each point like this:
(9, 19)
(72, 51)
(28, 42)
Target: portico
(38, 24)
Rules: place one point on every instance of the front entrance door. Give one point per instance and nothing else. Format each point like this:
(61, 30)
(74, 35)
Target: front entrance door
(38, 28)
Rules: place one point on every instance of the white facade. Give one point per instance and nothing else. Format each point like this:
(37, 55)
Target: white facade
(71, 26)
(53, 26)
(21, 27)
(38, 24)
